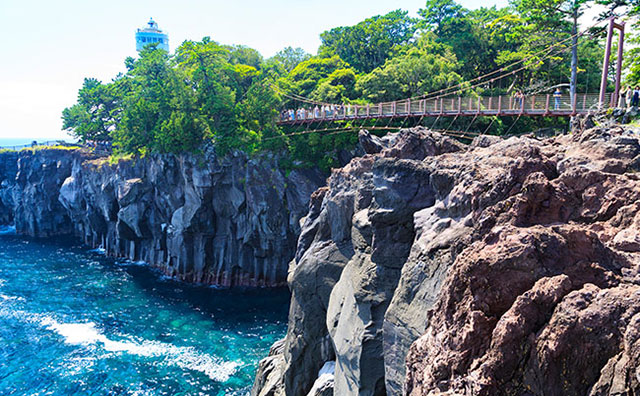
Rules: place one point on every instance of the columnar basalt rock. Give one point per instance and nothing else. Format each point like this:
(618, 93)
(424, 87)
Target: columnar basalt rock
(224, 221)
(8, 170)
(502, 267)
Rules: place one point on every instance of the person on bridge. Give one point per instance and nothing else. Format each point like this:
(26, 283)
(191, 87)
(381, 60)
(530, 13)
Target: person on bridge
(519, 98)
(636, 97)
(557, 95)
(622, 103)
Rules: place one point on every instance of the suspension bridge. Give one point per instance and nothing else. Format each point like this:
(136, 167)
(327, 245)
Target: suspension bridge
(461, 100)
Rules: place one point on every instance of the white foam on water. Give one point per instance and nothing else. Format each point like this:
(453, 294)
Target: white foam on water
(86, 334)
(98, 250)
(184, 357)
(10, 298)
(7, 230)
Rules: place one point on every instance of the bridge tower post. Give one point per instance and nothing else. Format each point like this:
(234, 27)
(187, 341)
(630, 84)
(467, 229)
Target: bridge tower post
(619, 63)
(605, 64)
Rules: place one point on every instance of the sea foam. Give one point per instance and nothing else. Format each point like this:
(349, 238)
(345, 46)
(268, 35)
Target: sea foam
(87, 334)
(184, 357)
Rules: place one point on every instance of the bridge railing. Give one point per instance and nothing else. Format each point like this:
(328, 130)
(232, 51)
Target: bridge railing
(531, 105)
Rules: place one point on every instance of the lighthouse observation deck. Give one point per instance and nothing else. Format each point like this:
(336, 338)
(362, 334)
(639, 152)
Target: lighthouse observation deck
(151, 35)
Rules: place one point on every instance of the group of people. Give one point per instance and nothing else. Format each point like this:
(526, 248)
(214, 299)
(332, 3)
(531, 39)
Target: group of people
(557, 99)
(99, 145)
(324, 111)
(519, 97)
(629, 97)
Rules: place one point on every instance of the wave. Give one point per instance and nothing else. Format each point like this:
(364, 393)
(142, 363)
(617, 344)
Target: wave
(87, 334)
(9, 298)
(7, 230)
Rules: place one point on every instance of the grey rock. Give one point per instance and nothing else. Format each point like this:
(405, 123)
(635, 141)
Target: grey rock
(225, 221)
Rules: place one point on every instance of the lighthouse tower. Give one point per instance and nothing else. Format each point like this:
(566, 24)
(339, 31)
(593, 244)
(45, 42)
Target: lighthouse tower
(151, 35)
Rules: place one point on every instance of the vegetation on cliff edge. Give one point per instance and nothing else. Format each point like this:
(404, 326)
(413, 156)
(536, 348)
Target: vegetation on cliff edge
(170, 103)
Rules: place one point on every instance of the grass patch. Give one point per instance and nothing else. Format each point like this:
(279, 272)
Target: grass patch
(58, 147)
(116, 158)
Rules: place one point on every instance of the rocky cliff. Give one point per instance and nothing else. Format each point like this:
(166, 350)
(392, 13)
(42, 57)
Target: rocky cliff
(504, 267)
(223, 221)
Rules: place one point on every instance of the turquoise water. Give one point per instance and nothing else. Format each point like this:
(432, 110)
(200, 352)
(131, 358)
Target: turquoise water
(75, 322)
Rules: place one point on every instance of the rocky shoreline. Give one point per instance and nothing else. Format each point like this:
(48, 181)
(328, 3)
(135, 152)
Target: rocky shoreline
(507, 267)
(229, 221)
(425, 267)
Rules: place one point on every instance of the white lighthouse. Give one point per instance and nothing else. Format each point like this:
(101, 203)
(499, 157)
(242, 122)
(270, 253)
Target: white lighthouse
(151, 35)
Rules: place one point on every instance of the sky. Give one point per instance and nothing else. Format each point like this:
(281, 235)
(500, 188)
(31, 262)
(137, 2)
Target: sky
(49, 47)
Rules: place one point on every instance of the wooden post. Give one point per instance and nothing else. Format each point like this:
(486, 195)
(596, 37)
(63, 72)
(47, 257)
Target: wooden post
(408, 106)
(368, 111)
(510, 102)
(533, 102)
(393, 108)
(490, 103)
(605, 63)
(459, 104)
(546, 106)
(380, 110)
(479, 100)
(499, 104)
(584, 102)
(441, 105)
(355, 110)
(619, 63)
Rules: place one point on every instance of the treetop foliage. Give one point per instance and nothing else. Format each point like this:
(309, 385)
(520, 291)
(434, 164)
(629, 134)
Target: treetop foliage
(231, 96)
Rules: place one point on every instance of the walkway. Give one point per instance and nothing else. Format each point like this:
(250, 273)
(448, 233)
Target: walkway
(529, 106)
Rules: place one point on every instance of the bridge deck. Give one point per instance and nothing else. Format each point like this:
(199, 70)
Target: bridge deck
(529, 106)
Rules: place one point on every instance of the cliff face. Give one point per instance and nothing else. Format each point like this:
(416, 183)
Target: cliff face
(8, 170)
(504, 267)
(229, 221)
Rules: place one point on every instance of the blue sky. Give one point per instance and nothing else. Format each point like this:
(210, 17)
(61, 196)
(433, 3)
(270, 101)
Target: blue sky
(48, 47)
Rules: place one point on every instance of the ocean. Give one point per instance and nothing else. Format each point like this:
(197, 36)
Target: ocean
(73, 322)
(12, 142)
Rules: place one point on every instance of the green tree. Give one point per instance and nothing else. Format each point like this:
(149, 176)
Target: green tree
(338, 87)
(214, 81)
(95, 114)
(368, 44)
(440, 16)
(305, 78)
(160, 112)
(243, 55)
(557, 15)
(288, 58)
(258, 112)
(421, 69)
(467, 34)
